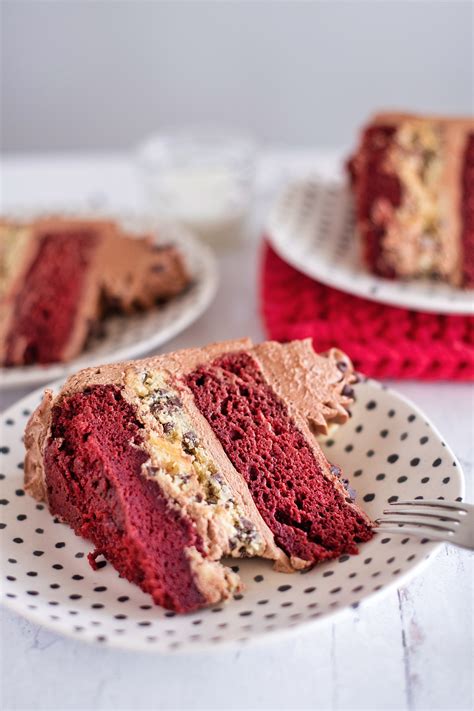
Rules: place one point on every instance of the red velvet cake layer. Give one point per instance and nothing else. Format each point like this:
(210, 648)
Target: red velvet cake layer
(372, 184)
(94, 483)
(467, 213)
(47, 303)
(309, 518)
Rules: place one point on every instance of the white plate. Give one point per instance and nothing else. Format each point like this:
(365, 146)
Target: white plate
(311, 226)
(387, 449)
(128, 337)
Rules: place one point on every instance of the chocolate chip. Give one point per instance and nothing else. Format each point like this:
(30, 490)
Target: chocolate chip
(348, 391)
(111, 304)
(190, 442)
(352, 492)
(96, 329)
(168, 427)
(163, 401)
(246, 525)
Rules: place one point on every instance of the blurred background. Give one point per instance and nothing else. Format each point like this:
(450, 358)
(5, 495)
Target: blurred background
(90, 75)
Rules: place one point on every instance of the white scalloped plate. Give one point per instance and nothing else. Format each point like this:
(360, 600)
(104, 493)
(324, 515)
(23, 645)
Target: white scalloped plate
(128, 337)
(387, 449)
(311, 226)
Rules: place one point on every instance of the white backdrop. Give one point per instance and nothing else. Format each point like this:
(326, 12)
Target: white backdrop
(101, 74)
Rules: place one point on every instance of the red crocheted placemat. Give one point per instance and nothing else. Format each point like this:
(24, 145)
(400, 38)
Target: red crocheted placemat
(383, 341)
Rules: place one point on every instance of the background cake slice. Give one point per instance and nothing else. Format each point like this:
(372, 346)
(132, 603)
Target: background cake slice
(413, 184)
(171, 463)
(59, 278)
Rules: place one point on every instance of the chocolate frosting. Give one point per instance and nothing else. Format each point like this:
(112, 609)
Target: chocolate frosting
(320, 385)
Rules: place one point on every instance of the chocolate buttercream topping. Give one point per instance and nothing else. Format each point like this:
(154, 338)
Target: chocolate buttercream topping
(319, 386)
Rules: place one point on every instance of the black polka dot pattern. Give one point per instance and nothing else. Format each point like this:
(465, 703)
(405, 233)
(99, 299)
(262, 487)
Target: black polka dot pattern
(387, 456)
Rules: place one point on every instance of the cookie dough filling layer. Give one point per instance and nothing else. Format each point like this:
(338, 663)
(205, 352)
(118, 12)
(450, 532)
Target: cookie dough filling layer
(184, 469)
(13, 244)
(416, 158)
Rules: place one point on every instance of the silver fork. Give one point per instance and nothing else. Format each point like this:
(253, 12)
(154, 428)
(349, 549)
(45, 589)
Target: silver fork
(436, 520)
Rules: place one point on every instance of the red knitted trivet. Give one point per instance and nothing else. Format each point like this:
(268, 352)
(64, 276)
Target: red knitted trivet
(383, 341)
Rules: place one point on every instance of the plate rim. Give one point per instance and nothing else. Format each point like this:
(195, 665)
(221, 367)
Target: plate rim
(259, 638)
(263, 636)
(384, 294)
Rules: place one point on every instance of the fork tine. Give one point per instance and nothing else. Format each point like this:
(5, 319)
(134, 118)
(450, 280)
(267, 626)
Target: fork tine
(452, 505)
(422, 523)
(439, 515)
(416, 532)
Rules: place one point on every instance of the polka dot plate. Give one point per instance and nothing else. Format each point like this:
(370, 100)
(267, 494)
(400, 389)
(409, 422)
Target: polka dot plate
(388, 450)
(311, 226)
(127, 337)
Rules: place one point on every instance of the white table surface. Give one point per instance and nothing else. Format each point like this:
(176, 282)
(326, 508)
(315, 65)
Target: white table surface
(412, 649)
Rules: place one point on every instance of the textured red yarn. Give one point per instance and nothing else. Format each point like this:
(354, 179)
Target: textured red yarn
(383, 341)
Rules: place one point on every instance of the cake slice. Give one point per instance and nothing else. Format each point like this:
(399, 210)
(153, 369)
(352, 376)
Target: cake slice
(171, 463)
(413, 184)
(59, 278)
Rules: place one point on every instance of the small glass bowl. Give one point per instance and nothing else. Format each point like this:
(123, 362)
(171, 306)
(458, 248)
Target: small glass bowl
(202, 178)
